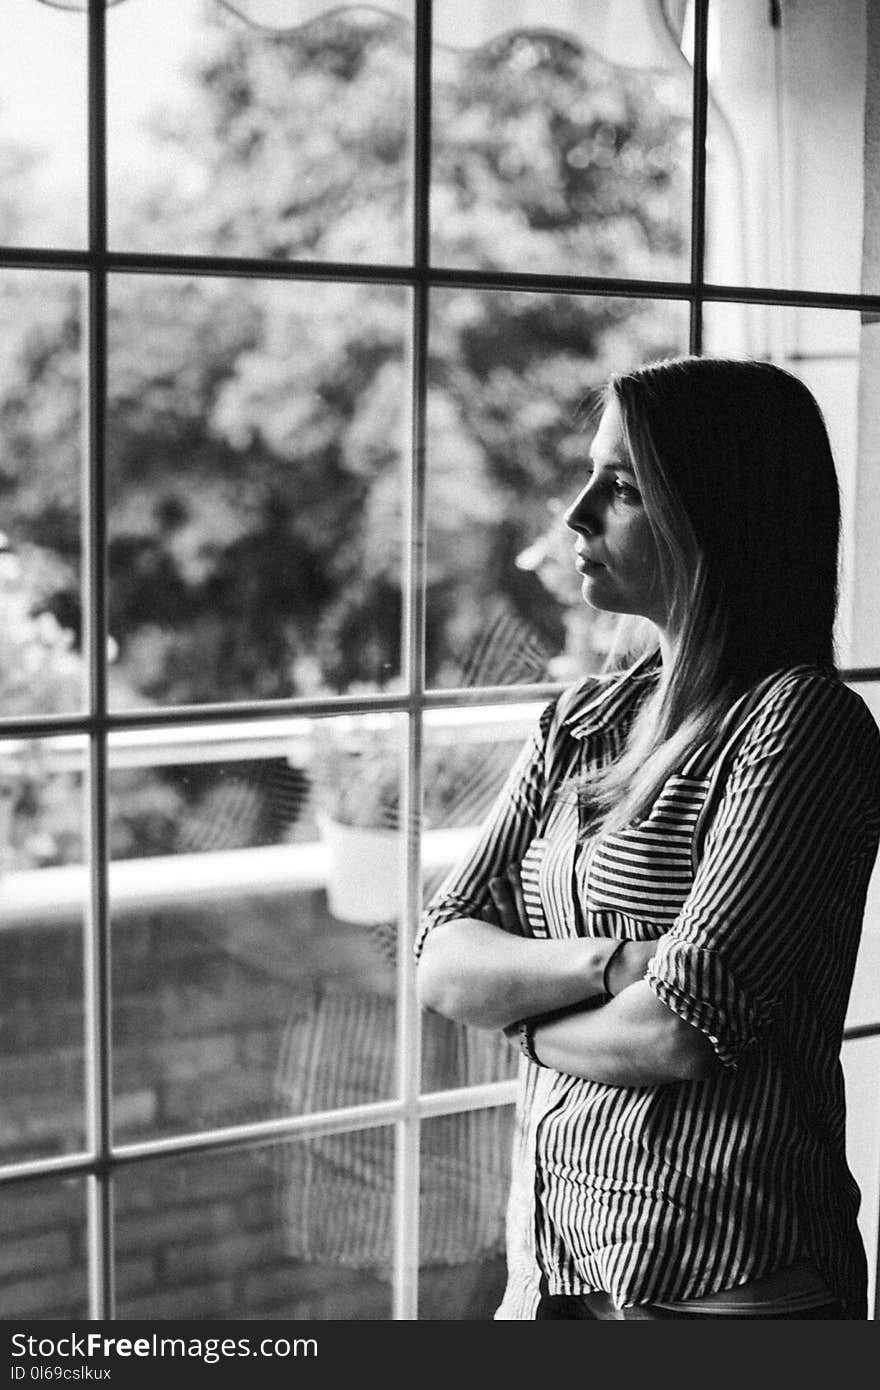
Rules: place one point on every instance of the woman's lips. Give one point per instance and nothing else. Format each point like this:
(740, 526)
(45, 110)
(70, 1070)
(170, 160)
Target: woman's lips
(586, 565)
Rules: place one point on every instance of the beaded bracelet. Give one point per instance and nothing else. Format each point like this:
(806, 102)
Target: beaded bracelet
(526, 1034)
(618, 948)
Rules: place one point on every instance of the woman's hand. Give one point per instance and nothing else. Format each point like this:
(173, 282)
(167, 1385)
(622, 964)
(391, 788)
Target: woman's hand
(629, 964)
(491, 971)
(509, 902)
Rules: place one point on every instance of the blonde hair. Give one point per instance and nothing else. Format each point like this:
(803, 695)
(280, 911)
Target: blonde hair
(738, 481)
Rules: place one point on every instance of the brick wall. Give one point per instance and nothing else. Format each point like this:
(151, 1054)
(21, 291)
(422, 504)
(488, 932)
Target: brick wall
(203, 1003)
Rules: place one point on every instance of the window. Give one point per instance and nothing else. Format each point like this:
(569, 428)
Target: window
(296, 335)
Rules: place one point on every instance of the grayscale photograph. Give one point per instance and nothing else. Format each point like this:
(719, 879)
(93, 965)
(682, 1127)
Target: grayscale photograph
(439, 667)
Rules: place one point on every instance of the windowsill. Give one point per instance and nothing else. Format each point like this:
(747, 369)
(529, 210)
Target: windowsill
(47, 897)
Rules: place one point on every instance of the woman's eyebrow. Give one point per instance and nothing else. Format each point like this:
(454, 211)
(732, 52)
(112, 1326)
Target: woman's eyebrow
(612, 462)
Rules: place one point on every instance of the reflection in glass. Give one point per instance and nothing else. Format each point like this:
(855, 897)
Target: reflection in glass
(513, 379)
(42, 126)
(467, 755)
(786, 145)
(293, 1230)
(256, 439)
(559, 143)
(41, 666)
(43, 1272)
(465, 1157)
(43, 892)
(255, 896)
(259, 139)
(465, 1177)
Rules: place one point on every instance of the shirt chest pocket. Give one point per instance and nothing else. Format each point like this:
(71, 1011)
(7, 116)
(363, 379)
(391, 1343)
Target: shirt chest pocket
(646, 869)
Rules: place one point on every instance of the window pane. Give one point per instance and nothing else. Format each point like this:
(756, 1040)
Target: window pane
(465, 1177)
(256, 439)
(255, 894)
(465, 1157)
(43, 60)
(295, 1230)
(561, 140)
(44, 1273)
(258, 138)
(821, 346)
(41, 377)
(467, 756)
(511, 376)
(786, 127)
(43, 892)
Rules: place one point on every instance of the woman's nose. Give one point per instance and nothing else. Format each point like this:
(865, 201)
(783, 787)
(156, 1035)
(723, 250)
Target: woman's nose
(582, 514)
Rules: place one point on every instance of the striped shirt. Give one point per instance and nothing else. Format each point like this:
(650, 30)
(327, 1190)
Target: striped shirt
(752, 868)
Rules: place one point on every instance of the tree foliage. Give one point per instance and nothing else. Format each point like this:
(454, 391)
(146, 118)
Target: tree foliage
(259, 431)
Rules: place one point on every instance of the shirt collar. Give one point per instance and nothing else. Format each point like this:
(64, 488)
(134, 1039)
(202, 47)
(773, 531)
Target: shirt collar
(603, 700)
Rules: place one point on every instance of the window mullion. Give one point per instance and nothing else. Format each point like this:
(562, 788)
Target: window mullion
(406, 1235)
(698, 172)
(98, 1012)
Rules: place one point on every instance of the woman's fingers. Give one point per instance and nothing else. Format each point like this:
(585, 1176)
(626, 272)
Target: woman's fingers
(630, 963)
(516, 888)
(490, 914)
(505, 904)
(641, 954)
(509, 901)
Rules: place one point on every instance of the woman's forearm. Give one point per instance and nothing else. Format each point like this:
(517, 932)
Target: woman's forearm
(633, 1040)
(477, 973)
(474, 972)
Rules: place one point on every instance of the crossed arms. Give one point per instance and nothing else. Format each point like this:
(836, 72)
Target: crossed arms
(478, 973)
(799, 811)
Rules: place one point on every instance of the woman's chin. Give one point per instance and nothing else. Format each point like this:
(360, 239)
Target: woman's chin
(592, 594)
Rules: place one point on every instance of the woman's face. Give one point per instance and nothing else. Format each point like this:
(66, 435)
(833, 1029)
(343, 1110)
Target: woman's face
(615, 547)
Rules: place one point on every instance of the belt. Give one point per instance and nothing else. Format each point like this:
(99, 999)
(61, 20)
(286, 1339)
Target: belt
(796, 1286)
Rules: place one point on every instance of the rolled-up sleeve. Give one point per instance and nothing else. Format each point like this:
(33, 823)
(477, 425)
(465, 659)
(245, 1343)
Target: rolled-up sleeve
(798, 809)
(503, 838)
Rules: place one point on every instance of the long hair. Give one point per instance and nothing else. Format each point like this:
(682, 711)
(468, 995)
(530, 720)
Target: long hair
(738, 481)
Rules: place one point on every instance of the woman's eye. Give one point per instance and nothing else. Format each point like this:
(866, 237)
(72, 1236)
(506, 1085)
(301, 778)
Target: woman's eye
(626, 491)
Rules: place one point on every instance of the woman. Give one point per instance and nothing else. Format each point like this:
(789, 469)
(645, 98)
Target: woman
(665, 904)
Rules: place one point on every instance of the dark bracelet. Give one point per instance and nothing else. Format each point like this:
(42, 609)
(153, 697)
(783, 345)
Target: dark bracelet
(618, 948)
(525, 1033)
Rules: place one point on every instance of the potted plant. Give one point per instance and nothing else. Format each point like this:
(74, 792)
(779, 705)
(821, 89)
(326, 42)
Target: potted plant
(343, 1040)
(357, 776)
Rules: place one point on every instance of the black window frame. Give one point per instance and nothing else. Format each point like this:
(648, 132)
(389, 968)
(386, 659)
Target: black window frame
(101, 1160)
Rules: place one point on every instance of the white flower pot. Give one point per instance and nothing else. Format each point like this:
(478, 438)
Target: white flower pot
(364, 873)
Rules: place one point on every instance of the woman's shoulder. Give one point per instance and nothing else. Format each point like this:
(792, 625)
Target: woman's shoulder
(806, 686)
(815, 699)
(594, 701)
